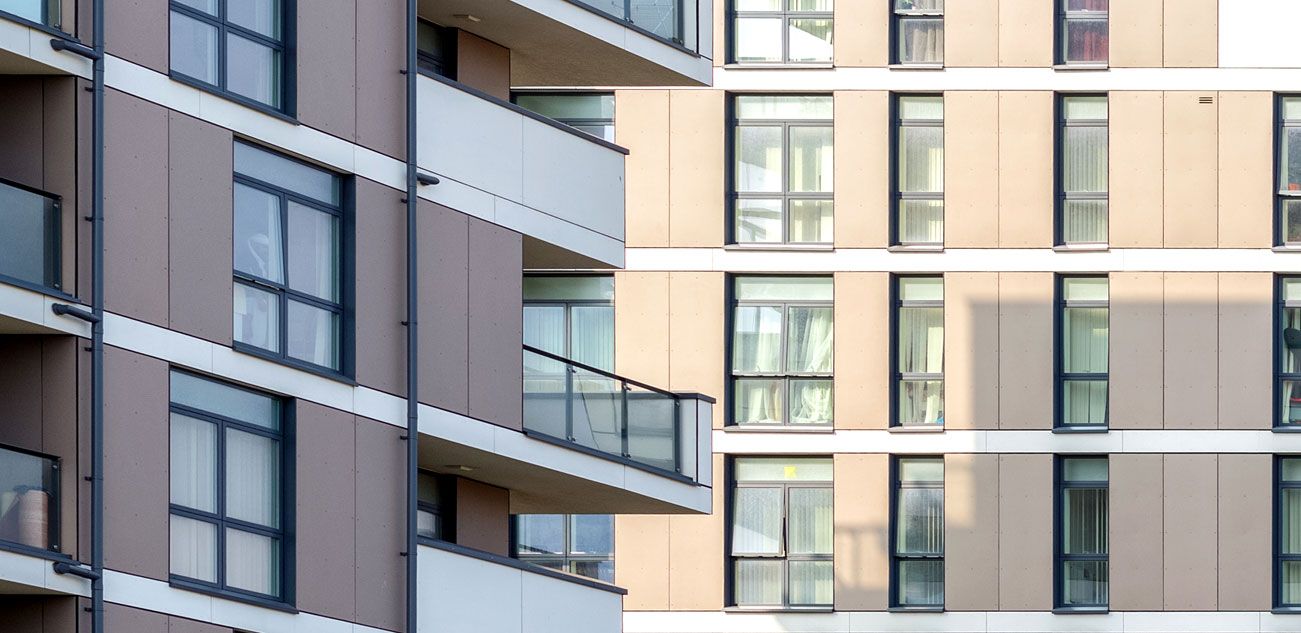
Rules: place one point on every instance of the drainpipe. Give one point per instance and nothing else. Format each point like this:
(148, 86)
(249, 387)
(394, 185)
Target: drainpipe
(97, 326)
(413, 367)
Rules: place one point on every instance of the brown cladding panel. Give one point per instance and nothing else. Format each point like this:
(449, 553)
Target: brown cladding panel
(132, 620)
(182, 625)
(642, 126)
(21, 395)
(137, 31)
(1025, 344)
(483, 64)
(861, 516)
(59, 431)
(381, 525)
(381, 288)
(862, 377)
(136, 525)
(1136, 532)
(444, 294)
(1136, 367)
(325, 444)
(327, 66)
(1191, 350)
(482, 517)
(201, 199)
(1245, 537)
(1025, 538)
(971, 340)
(381, 86)
(1191, 532)
(61, 165)
(1246, 358)
(971, 540)
(21, 130)
(496, 329)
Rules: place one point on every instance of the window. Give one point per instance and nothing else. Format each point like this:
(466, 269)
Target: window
(581, 544)
(1287, 539)
(436, 507)
(229, 507)
(919, 351)
(1082, 31)
(782, 331)
(1289, 171)
(45, 12)
(1288, 343)
(782, 31)
(591, 112)
(1082, 172)
(1081, 531)
(1082, 339)
(918, 31)
(781, 532)
(917, 533)
(238, 48)
(919, 170)
(289, 268)
(436, 48)
(782, 164)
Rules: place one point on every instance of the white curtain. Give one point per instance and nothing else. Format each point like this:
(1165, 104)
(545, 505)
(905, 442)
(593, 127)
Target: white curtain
(810, 349)
(1291, 544)
(810, 521)
(1291, 363)
(252, 562)
(193, 548)
(252, 478)
(1085, 349)
(193, 469)
(921, 40)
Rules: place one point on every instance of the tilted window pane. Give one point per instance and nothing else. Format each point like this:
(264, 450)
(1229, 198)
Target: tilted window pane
(921, 340)
(259, 16)
(921, 159)
(288, 174)
(758, 40)
(758, 220)
(811, 582)
(1084, 159)
(252, 562)
(810, 40)
(225, 400)
(921, 108)
(757, 521)
(1085, 40)
(1084, 108)
(759, 158)
(919, 5)
(921, 289)
(921, 583)
(811, 159)
(809, 346)
(921, 40)
(1085, 340)
(194, 48)
(758, 582)
(541, 534)
(1292, 470)
(592, 534)
(811, 221)
(313, 252)
(602, 570)
(921, 469)
(252, 478)
(313, 334)
(193, 548)
(1084, 221)
(759, 401)
(1085, 288)
(921, 221)
(569, 288)
(193, 463)
(810, 521)
(784, 288)
(757, 339)
(1292, 108)
(207, 6)
(921, 402)
(258, 243)
(1084, 402)
(783, 469)
(1084, 582)
(253, 70)
(920, 524)
(783, 107)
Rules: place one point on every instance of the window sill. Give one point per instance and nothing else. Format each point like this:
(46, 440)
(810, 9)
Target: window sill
(234, 98)
(293, 364)
(916, 248)
(939, 66)
(1081, 610)
(758, 428)
(1288, 428)
(1082, 248)
(223, 594)
(1073, 67)
(937, 428)
(735, 609)
(915, 610)
(1287, 248)
(814, 248)
(1080, 430)
(776, 66)
(1286, 610)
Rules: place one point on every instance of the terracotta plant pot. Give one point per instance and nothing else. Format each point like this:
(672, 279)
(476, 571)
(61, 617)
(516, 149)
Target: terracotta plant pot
(34, 519)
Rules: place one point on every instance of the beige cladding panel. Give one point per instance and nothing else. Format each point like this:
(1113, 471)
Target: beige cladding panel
(720, 33)
(861, 517)
(1246, 170)
(696, 161)
(1136, 120)
(696, 343)
(1246, 367)
(971, 33)
(641, 326)
(641, 545)
(1135, 34)
(1245, 535)
(1136, 369)
(1191, 335)
(696, 555)
(971, 350)
(862, 35)
(1025, 169)
(1025, 33)
(971, 532)
(1025, 344)
(862, 174)
(1136, 532)
(1025, 537)
(1192, 33)
(862, 384)
(1191, 532)
(1190, 168)
(642, 126)
(971, 169)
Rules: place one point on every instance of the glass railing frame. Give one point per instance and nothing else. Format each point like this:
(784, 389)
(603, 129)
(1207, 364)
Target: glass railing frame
(55, 507)
(571, 367)
(51, 24)
(679, 40)
(55, 242)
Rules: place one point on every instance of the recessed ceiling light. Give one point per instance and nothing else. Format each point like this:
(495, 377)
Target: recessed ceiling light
(467, 16)
(461, 467)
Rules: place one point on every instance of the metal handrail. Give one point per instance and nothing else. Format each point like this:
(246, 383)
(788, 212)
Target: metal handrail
(602, 372)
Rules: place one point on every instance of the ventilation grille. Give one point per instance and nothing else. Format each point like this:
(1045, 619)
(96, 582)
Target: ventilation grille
(1206, 100)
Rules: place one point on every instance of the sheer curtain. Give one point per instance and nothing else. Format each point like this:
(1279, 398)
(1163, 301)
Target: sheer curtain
(756, 348)
(921, 170)
(1085, 526)
(591, 337)
(1085, 349)
(1291, 363)
(809, 350)
(921, 351)
(252, 495)
(1084, 170)
(921, 40)
(1291, 544)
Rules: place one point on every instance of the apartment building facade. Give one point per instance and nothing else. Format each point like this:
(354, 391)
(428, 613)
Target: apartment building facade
(999, 295)
(262, 316)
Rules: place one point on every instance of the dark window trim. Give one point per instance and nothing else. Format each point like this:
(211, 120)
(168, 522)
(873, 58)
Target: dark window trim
(897, 16)
(678, 44)
(286, 535)
(1281, 194)
(897, 196)
(1280, 305)
(513, 563)
(568, 305)
(1059, 375)
(1277, 546)
(786, 195)
(731, 374)
(449, 39)
(1061, 17)
(1060, 195)
(286, 46)
(896, 331)
(786, 16)
(1059, 556)
(538, 558)
(729, 560)
(445, 510)
(53, 29)
(896, 485)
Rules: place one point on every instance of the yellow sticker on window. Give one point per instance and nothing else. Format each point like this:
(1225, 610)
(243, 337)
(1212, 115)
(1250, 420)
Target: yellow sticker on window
(790, 472)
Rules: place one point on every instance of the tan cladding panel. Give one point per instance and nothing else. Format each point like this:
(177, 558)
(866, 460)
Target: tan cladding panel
(1245, 500)
(1135, 34)
(1191, 532)
(1025, 33)
(861, 518)
(862, 169)
(642, 126)
(1192, 33)
(641, 326)
(1246, 369)
(1025, 537)
(971, 532)
(1191, 170)
(1025, 344)
(1246, 162)
(641, 545)
(862, 32)
(1025, 169)
(696, 338)
(971, 33)
(862, 383)
(1136, 159)
(971, 350)
(971, 155)
(696, 161)
(696, 555)
(1136, 529)
(1136, 369)
(1191, 350)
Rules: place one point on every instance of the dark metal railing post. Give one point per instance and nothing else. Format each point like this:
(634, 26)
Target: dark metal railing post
(569, 402)
(677, 435)
(624, 424)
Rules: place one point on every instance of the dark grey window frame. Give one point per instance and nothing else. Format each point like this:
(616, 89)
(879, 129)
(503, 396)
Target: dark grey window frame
(729, 575)
(786, 195)
(429, 62)
(286, 46)
(347, 266)
(1282, 195)
(1279, 524)
(897, 195)
(1063, 17)
(786, 16)
(571, 122)
(53, 240)
(445, 509)
(285, 536)
(1059, 172)
(1280, 306)
(1060, 484)
(897, 18)
(45, 23)
(568, 305)
(896, 558)
(1060, 305)
(785, 376)
(549, 560)
(897, 378)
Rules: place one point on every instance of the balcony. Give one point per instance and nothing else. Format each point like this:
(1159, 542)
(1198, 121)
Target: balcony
(29, 501)
(562, 188)
(29, 243)
(465, 590)
(45, 13)
(592, 42)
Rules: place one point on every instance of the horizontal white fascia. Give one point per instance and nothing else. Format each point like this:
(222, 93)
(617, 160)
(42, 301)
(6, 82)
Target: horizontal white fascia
(960, 622)
(19, 39)
(964, 260)
(1043, 78)
(36, 575)
(35, 308)
(155, 595)
(904, 443)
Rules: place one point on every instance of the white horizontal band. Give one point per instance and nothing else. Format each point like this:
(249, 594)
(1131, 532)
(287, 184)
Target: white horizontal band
(1128, 441)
